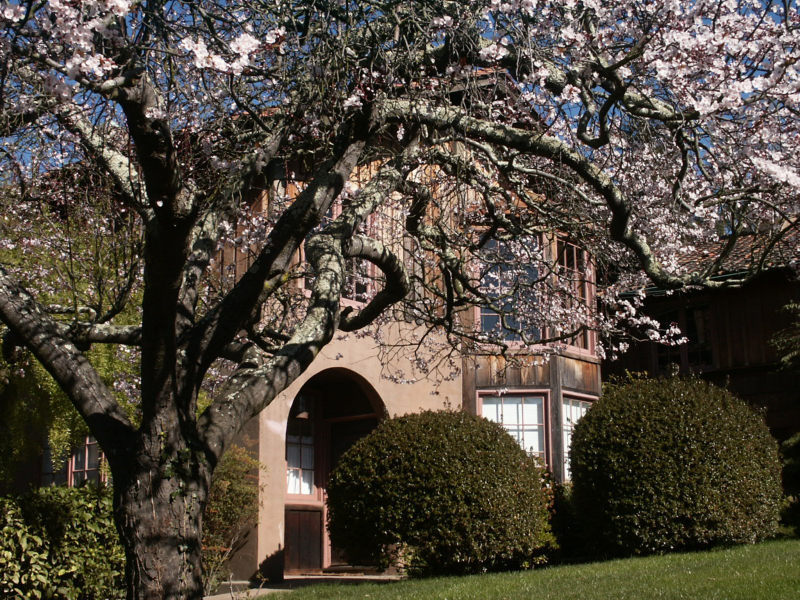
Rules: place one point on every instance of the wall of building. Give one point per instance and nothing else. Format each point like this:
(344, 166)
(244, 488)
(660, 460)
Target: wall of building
(575, 373)
(729, 333)
(360, 359)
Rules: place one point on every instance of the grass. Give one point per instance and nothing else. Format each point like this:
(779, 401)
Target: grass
(767, 571)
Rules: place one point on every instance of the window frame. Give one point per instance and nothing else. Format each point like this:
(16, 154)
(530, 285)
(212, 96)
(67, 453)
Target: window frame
(584, 286)
(483, 312)
(544, 394)
(567, 429)
(76, 475)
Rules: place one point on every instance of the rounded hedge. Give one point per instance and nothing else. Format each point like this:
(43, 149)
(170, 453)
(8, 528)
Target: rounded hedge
(443, 492)
(672, 464)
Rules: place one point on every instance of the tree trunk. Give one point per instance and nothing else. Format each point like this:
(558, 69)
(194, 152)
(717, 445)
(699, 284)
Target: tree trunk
(158, 509)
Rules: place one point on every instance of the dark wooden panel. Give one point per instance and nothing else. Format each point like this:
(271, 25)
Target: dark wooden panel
(303, 540)
(495, 371)
(580, 376)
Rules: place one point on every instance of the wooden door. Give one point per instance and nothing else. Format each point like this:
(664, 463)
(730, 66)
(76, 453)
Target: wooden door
(303, 540)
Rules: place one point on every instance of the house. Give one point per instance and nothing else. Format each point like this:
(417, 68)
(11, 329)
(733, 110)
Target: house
(537, 395)
(729, 332)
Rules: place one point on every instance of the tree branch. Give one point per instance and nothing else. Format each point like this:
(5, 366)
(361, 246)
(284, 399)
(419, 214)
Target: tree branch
(117, 164)
(268, 271)
(545, 146)
(257, 382)
(396, 288)
(68, 366)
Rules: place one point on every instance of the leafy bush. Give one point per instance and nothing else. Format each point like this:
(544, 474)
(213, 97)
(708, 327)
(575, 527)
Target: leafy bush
(672, 464)
(24, 568)
(565, 524)
(231, 510)
(790, 450)
(446, 492)
(61, 543)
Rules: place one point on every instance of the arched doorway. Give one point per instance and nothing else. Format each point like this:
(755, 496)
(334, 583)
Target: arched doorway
(331, 412)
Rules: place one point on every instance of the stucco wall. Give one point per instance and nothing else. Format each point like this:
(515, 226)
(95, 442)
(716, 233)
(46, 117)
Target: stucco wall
(360, 356)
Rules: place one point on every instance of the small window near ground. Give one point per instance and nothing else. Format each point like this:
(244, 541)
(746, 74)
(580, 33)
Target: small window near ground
(85, 463)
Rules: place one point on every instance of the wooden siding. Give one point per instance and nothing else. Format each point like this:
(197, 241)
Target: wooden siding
(741, 323)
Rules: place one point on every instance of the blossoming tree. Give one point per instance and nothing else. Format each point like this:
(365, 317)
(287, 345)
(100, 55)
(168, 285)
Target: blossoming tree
(640, 131)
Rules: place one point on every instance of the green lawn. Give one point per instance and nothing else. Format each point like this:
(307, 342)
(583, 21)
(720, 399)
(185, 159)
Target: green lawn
(767, 571)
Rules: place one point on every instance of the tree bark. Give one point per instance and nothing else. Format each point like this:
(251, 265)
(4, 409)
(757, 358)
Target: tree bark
(159, 499)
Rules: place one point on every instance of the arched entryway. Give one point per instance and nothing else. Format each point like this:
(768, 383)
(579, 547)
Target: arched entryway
(332, 410)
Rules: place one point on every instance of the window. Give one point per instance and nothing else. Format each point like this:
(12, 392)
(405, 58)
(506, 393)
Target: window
(572, 410)
(506, 284)
(85, 463)
(695, 356)
(573, 271)
(698, 331)
(300, 449)
(522, 417)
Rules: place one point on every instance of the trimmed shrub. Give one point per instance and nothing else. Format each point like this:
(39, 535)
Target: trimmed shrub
(443, 492)
(673, 464)
(565, 524)
(61, 543)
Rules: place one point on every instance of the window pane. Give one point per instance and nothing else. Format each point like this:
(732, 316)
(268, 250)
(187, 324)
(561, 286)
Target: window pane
(521, 416)
(491, 409)
(307, 459)
(293, 456)
(80, 459)
(517, 434)
(293, 481)
(533, 441)
(573, 410)
(94, 456)
(307, 482)
(489, 320)
(533, 412)
(512, 410)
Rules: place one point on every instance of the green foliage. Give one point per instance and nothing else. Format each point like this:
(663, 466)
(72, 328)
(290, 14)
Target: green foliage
(24, 566)
(232, 508)
(787, 341)
(60, 543)
(36, 410)
(670, 464)
(446, 491)
(790, 451)
(565, 524)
